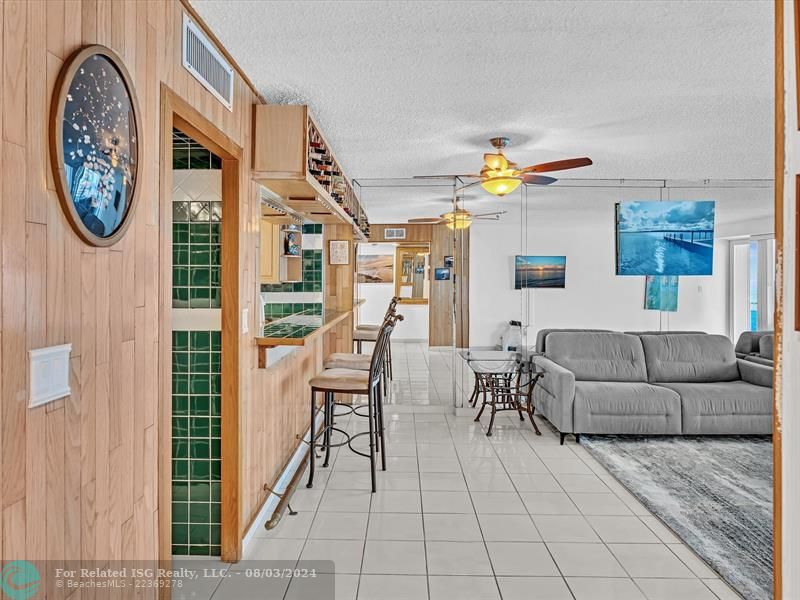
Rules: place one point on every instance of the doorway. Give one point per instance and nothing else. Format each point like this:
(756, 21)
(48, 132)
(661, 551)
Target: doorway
(199, 355)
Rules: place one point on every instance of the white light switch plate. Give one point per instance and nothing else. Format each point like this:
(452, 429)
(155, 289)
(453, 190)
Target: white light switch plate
(49, 374)
(245, 320)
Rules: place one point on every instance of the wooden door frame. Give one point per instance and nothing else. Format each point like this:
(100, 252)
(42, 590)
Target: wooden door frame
(178, 113)
(777, 462)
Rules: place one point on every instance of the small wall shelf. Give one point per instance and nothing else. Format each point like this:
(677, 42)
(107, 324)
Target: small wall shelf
(293, 160)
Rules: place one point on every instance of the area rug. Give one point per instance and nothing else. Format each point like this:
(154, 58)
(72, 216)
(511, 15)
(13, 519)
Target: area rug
(714, 492)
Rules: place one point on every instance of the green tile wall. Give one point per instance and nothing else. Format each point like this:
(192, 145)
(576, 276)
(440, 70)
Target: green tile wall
(188, 154)
(196, 370)
(196, 442)
(312, 276)
(277, 310)
(196, 260)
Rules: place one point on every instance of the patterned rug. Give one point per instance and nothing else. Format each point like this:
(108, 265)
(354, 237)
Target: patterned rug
(713, 492)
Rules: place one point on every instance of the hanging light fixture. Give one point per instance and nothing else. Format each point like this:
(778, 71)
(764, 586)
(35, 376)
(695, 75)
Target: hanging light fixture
(501, 185)
(458, 219)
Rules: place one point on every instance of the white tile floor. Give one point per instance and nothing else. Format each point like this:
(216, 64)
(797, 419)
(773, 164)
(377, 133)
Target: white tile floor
(459, 516)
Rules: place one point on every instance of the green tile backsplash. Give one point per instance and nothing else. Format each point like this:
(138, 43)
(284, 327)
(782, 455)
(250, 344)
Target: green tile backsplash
(196, 442)
(312, 276)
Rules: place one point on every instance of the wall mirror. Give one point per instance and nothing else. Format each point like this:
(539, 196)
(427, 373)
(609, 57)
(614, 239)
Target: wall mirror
(94, 144)
(412, 274)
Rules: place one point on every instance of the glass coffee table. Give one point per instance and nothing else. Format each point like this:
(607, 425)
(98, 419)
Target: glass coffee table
(505, 380)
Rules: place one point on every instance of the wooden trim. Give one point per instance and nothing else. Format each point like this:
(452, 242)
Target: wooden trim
(165, 337)
(418, 248)
(175, 112)
(231, 539)
(777, 463)
(221, 48)
(56, 142)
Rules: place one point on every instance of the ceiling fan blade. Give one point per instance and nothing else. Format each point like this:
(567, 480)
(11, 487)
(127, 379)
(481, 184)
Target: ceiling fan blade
(559, 165)
(496, 162)
(444, 176)
(529, 178)
(426, 220)
(491, 214)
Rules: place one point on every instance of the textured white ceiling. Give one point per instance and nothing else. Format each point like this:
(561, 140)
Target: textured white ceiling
(647, 89)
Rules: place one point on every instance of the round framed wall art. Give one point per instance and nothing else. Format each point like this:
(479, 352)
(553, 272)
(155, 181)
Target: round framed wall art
(95, 144)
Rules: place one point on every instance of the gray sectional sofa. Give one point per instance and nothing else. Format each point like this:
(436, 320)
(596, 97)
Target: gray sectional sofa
(670, 383)
(756, 346)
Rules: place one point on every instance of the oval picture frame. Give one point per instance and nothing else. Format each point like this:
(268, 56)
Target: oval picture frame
(58, 105)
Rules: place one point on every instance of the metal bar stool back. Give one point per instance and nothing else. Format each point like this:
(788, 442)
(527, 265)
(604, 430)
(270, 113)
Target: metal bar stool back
(351, 381)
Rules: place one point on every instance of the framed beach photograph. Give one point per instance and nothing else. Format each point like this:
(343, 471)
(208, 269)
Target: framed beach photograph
(661, 293)
(441, 273)
(339, 252)
(540, 272)
(665, 238)
(375, 268)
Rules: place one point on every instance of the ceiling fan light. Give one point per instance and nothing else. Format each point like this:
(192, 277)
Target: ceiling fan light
(500, 186)
(496, 162)
(459, 219)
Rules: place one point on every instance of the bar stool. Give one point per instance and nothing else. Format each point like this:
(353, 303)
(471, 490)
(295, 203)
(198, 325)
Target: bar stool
(361, 362)
(351, 381)
(392, 306)
(367, 333)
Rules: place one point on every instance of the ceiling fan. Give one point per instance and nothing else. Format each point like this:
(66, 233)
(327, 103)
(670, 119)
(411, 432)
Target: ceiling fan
(458, 218)
(500, 176)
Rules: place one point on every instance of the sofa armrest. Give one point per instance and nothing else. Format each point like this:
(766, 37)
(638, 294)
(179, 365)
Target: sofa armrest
(755, 373)
(560, 384)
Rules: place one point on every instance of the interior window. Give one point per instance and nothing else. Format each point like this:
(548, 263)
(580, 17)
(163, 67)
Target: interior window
(752, 285)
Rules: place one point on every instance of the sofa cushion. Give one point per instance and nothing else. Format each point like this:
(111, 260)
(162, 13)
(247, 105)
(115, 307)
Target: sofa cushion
(687, 358)
(729, 407)
(598, 356)
(625, 407)
(665, 332)
(748, 342)
(541, 336)
(766, 346)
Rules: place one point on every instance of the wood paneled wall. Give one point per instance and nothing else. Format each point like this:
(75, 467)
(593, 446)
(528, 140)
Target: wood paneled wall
(80, 476)
(274, 418)
(446, 242)
(440, 306)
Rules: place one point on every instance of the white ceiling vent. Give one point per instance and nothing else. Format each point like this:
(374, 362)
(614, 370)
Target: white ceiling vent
(394, 233)
(205, 62)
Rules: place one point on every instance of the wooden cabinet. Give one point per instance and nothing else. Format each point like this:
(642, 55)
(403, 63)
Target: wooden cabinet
(270, 251)
(293, 160)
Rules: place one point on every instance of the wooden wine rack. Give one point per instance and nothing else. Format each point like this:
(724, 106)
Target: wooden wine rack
(292, 158)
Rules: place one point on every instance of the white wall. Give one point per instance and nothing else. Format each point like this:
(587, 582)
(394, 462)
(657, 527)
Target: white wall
(788, 373)
(579, 223)
(377, 295)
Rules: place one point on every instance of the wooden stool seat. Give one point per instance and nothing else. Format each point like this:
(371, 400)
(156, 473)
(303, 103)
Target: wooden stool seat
(368, 327)
(341, 380)
(365, 336)
(346, 360)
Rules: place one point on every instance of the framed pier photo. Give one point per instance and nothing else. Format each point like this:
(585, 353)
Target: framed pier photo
(665, 238)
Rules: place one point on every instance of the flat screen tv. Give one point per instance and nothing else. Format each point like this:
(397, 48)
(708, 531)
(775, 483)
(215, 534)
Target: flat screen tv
(665, 238)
